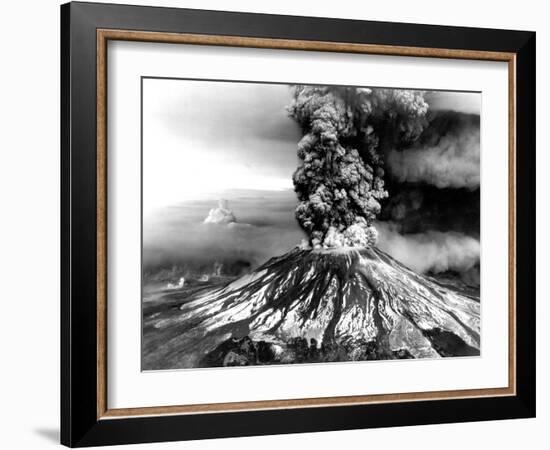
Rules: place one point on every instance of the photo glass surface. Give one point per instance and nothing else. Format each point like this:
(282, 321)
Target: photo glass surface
(288, 224)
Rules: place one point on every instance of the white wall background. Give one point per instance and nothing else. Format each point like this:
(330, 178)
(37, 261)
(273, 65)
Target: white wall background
(29, 224)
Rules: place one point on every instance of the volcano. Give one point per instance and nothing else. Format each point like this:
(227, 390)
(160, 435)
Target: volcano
(345, 304)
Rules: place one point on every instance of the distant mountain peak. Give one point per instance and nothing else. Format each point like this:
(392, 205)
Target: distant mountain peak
(221, 215)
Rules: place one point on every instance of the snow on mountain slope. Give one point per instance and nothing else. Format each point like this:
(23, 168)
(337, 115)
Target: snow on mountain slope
(312, 306)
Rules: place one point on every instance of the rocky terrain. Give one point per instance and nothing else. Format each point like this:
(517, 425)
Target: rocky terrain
(346, 304)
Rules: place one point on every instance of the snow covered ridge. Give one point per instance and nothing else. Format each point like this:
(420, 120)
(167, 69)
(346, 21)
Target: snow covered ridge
(341, 304)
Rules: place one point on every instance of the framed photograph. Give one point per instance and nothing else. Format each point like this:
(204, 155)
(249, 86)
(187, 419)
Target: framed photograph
(276, 224)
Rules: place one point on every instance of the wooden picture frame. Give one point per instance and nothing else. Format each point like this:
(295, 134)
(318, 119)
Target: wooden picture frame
(86, 418)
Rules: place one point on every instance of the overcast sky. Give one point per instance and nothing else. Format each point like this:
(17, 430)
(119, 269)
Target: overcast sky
(202, 137)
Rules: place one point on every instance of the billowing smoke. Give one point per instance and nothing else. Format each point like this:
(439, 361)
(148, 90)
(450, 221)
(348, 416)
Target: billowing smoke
(446, 155)
(431, 251)
(339, 182)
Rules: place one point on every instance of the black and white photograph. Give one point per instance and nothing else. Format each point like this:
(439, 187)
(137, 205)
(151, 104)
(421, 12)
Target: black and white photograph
(290, 224)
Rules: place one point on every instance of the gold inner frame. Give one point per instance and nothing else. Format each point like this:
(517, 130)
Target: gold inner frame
(104, 35)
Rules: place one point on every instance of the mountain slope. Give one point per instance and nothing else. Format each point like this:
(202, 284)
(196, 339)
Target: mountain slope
(309, 306)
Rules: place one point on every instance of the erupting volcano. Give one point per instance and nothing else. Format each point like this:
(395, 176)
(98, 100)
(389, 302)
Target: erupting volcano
(234, 295)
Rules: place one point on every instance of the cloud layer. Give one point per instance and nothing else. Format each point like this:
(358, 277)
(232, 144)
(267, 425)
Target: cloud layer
(432, 251)
(179, 237)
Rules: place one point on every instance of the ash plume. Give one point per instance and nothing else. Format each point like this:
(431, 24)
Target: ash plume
(446, 155)
(340, 179)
